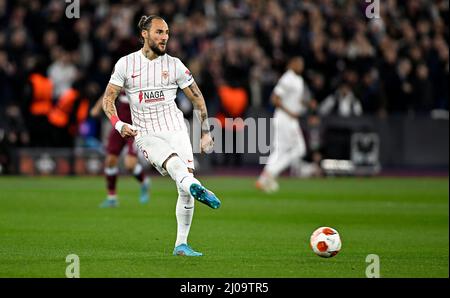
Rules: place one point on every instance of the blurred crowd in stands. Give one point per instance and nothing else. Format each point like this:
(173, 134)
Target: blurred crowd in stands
(53, 68)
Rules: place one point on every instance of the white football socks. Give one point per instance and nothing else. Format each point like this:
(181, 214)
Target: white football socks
(137, 169)
(184, 213)
(178, 170)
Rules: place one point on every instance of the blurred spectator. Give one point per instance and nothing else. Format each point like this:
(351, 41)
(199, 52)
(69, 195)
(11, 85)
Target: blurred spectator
(7, 71)
(402, 88)
(371, 93)
(342, 103)
(423, 90)
(37, 103)
(70, 111)
(62, 71)
(13, 134)
(318, 86)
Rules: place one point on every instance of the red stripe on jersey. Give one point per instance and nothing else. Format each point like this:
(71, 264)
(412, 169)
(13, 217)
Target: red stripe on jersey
(135, 114)
(148, 69)
(140, 77)
(143, 113)
(161, 78)
(168, 66)
(143, 118)
(154, 74)
(157, 118)
(168, 71)
(175, 113)
(151, 119)
(133, 71)
(178, 116)
(147, 123)
(171, 118)
(164, 114)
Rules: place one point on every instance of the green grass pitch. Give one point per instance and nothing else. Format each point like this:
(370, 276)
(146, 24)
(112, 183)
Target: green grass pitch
(405, 221)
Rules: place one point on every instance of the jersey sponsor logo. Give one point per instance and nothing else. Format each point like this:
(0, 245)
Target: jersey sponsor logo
(188, 74)
(165, 74)
(151, 96)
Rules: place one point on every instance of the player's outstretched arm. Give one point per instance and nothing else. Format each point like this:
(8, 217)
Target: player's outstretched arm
(109, 99)
(194, 94)
(109, 107)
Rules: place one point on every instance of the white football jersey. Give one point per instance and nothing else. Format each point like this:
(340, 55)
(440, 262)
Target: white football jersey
(151, 86)
(290, 88)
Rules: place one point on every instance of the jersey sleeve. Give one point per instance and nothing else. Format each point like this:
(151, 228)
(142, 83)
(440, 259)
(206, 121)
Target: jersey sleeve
(184, 76)
(282, 87)
(118, 74)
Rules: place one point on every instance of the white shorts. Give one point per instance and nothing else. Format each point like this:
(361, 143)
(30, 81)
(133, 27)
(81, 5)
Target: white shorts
(157, 147)
(287, 134)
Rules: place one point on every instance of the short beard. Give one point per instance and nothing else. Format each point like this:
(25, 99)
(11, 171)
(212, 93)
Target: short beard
(154, 47)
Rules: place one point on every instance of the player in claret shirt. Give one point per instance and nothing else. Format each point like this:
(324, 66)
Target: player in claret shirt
(114, 148)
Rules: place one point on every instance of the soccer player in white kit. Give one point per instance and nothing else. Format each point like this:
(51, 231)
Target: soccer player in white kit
(288, 141)
(150, 77)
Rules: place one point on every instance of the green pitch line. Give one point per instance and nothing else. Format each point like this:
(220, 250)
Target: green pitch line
(403, 221)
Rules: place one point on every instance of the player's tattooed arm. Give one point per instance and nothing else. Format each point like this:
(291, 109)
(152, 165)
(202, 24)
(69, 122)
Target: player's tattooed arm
(195, 90)
(109, 100)
(194, 94)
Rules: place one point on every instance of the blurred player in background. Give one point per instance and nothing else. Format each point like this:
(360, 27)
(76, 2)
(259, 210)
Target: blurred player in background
(151, 79)
(288, 141)
(114, 148)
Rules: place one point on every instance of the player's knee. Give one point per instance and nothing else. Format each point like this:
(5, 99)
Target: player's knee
(129, 168)
(111, 161)
(176, 167)
(171, 156)
(130, 163)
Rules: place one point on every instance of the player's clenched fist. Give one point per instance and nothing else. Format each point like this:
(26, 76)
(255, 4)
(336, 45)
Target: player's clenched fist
(207, 143)
(128, 131)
